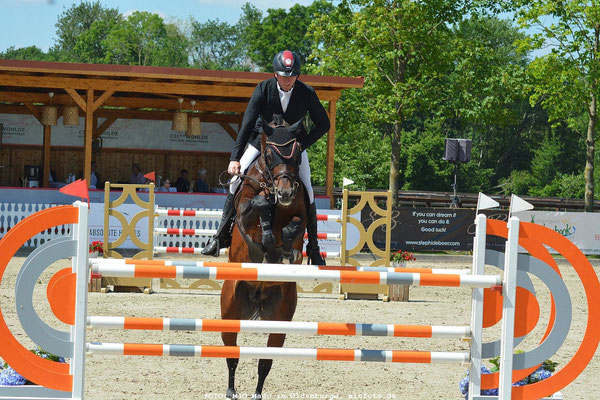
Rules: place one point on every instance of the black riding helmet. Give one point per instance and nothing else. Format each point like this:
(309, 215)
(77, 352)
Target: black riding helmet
(286, 63)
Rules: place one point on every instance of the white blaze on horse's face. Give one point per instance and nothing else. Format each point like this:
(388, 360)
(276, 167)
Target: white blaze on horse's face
(285, 195)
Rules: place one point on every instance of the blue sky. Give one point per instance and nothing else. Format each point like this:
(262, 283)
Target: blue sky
(31, 22)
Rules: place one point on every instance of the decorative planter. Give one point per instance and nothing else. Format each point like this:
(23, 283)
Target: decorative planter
(398, 292)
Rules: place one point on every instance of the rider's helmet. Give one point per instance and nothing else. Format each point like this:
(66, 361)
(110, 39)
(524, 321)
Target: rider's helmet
(286, 63)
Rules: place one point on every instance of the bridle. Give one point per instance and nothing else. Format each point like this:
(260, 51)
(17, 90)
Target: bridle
(271, 181)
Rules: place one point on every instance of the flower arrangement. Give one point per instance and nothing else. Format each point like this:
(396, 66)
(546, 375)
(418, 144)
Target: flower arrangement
(402, 256)
(10, 377)
(97, 246)
(544, 371)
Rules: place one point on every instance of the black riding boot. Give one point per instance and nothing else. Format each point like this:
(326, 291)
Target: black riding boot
(312, 248)
(222, 238)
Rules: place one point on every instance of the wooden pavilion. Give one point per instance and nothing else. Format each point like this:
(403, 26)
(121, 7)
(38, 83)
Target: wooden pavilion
(114, 92)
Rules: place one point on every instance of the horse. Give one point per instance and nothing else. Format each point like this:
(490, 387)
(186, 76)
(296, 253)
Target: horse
(269, 227)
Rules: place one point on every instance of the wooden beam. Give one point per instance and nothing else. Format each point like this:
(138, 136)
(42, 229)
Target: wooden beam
(125, 86)
(102, 128)
(103, 98)
(46, 156)
(87, 141)
(228, 105)
(34, 110)
(330, 153)
(229, 130)
(131, 102)
(78, 99)
(134, 114)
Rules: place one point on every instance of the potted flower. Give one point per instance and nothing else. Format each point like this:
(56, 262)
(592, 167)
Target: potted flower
(10, 377)
(399, 259)
(542, 372)
(96, 248)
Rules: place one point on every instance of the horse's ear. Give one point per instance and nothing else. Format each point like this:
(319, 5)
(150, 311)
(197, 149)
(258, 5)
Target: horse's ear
(263, 142)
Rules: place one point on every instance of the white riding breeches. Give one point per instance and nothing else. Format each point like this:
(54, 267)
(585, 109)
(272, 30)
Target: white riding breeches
(252, 153)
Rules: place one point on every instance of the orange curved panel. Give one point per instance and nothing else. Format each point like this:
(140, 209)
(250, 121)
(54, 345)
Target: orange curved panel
(43, 372)
(62, 298)
(533, 238)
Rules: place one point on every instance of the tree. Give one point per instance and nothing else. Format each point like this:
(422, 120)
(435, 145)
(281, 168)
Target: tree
(567, 79)
(280, 30)
(32, 53)
(216, 45)
(136, 40)
(81, 31)
(400, 48)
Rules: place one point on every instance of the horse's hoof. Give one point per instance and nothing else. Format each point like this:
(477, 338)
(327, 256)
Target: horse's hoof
(231, 394)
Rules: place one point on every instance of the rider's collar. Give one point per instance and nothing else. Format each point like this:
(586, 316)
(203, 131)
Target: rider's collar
(281, 91)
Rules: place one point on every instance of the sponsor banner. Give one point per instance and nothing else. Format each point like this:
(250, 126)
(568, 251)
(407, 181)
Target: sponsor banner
(122, 134)
(96, 224)
(583, 229)
(425, 229)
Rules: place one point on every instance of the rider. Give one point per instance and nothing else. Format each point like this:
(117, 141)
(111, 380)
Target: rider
(283, 94)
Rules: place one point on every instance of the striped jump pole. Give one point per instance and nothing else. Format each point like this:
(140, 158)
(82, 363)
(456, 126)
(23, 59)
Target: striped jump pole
(181, 350)
(274, 273)
(205, 232)
(324, 254)
(220, 264)
(162, 212)
(284, 327)
(184, 232)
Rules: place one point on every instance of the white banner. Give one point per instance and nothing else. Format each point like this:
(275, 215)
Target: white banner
(583, 229)
(96, 224)
(122, 134)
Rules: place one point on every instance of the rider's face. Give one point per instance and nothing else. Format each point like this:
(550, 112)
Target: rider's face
(286, 82)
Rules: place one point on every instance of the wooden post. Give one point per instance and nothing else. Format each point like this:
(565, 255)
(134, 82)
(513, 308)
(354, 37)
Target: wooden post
(46, 156)
(89, 131)
(330, 153)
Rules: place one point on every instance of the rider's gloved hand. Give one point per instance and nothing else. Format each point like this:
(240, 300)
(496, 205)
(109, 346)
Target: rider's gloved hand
(234, 167)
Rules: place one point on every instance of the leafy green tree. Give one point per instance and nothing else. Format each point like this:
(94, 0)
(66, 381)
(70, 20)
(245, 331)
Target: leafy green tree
(567, 79)
(280, 29)
(401, 49)
(82, 29)
(32, 53)
(174, 48)
(217, 45)
(138, 40)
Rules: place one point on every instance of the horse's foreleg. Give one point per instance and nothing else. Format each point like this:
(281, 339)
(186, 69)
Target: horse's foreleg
(230, 339)
(263, 208)
(289, 234)
(264, 365)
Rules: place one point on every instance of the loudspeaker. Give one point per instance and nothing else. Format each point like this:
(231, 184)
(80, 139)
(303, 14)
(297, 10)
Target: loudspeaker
(458, 150)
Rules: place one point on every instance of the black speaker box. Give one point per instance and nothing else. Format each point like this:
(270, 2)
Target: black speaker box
(458, 150)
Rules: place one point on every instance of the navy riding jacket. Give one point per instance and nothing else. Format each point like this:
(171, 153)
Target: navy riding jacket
(265, 102)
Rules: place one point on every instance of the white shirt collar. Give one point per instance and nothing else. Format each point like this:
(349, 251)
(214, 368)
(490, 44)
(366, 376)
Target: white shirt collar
(284, 97)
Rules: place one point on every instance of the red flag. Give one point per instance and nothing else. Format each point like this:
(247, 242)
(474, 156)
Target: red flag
(79, 188)
(150, 175)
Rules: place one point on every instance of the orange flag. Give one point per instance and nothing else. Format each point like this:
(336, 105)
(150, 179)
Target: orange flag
(150, 175)
(79, 188)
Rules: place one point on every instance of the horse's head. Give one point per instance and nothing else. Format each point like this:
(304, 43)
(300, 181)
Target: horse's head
(281, 157)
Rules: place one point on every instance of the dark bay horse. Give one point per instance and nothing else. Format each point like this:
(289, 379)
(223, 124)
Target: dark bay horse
(269, 227)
